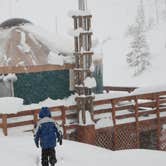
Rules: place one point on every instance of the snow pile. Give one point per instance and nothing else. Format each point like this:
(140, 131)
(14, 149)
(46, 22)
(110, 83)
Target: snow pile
(4, 36)
(1, 77)
(55, 59)
(23, 45)
(104, 122)
(78, 31)
(149, 89)
(52, 103)
(34, 39)
(92, 68)
(11, 105)
(13, 102)
(97, 56)
(21, 63)
(90, 82)
(110, 95)
(21, 151)
(10, 77)
(88, 118)
(61, 44)
(72, 13)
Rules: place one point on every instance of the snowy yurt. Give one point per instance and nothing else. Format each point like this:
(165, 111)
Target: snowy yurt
(35, 66)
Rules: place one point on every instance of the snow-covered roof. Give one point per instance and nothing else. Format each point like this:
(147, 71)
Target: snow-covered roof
(14, 22)
(23, 44)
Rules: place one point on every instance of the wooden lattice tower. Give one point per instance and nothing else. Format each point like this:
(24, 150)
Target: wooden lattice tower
(83, 55)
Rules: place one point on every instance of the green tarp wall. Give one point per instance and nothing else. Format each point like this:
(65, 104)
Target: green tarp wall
(36, 87)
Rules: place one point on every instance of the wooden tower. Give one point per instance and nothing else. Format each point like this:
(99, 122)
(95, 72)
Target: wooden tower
(83, 55)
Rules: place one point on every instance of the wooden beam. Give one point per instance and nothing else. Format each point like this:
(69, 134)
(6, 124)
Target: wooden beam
(4, 124)
(34, 69)
(63, 111)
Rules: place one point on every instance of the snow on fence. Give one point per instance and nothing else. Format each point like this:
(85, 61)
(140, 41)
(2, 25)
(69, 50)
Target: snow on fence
(116, 88)
(131, 116)
(65, 116)
(126, 118)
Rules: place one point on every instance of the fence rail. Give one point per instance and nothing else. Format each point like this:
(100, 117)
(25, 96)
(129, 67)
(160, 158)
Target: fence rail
(141, 112)
(135, 114)
(64, 114)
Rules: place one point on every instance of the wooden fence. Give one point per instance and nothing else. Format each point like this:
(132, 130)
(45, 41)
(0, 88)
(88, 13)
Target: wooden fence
(134, 114)
(130, 115)
(64, 114)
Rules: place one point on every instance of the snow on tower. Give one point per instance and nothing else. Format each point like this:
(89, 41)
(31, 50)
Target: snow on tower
(84, 81)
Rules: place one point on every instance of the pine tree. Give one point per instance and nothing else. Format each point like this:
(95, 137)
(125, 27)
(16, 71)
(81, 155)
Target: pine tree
(138, 58)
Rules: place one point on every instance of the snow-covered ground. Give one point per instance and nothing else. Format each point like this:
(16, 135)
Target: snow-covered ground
(110, 21)
(21, 151)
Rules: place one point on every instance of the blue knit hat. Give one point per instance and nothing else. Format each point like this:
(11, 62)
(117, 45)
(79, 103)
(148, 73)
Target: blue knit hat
(44, 113)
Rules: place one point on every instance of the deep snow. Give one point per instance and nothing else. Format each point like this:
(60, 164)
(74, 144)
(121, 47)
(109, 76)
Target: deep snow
(21, 151)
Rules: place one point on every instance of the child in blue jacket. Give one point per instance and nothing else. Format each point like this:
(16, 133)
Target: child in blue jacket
(47, 134)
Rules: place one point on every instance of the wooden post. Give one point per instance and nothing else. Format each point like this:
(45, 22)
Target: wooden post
(35, 117)
(158, 121)
(86, 134)
(137, 121)
(114, 123)
(63, 110)
(4, 124)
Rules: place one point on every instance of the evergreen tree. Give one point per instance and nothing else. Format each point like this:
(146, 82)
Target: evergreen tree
(138, 58)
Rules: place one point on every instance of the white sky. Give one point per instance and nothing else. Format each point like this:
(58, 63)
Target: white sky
(107, 14)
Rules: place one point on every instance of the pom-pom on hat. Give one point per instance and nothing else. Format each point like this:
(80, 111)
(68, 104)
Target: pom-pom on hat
(44, 113)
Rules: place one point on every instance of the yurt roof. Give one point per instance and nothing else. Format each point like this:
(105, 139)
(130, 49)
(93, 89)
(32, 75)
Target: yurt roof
(14, 22)
(25, 48)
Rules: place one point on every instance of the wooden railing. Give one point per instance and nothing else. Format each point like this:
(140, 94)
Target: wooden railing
(132, 109)
(65, 113)
(141, 105)
(143, 112)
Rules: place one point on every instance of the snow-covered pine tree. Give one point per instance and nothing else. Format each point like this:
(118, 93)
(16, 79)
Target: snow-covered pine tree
(138, 58)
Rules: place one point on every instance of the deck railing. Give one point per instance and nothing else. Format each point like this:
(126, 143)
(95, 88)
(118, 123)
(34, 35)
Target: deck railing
(138, 110)
(61, 114)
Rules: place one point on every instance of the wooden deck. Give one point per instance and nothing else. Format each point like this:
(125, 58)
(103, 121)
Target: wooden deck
(136, 113)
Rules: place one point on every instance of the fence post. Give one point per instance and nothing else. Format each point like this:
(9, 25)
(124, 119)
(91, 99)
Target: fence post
(4, 124)
(158, 121)
(35, 117)
(114, 124)
(137, 121)
(86, 134)
(63, 110)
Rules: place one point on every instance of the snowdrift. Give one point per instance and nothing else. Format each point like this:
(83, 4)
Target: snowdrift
(21, 151)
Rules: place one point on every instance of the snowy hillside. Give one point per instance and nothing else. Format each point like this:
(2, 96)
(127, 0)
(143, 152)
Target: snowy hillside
(111, 19)
(21, 151)
(116, 69)
(123, 76)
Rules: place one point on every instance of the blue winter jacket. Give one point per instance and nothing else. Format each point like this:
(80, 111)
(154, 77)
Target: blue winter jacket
(46, 131)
